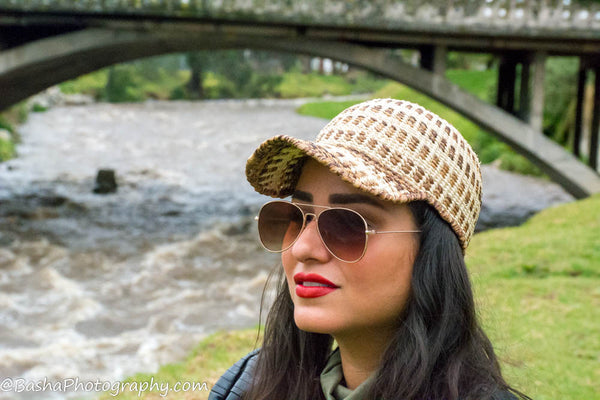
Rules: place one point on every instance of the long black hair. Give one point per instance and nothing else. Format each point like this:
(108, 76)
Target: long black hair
(438, 352)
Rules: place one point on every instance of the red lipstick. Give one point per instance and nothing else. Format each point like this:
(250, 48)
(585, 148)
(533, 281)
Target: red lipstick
(312, 285)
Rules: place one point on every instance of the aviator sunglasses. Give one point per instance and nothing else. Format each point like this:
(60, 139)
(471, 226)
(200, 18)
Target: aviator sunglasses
(343, 231)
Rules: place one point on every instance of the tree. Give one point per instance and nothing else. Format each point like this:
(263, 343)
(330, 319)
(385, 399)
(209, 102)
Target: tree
(197, 62)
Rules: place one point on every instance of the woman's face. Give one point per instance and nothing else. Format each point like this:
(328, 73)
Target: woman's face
(362, 297)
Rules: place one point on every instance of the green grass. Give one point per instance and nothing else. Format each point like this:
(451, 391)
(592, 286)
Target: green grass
(296, 84)
(312, 85)
(537, 287)
(325, 109)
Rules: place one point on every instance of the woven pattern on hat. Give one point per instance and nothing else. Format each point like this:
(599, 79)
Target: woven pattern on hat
(393, 149)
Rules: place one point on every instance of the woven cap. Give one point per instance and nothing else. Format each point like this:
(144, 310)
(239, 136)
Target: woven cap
(393, 149)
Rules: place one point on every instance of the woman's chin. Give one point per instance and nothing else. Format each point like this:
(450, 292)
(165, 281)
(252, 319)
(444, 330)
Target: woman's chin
(310, 322)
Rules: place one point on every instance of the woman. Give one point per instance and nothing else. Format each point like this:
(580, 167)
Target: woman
(383, 205)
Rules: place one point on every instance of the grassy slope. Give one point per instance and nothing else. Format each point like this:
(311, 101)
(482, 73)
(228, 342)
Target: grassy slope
(538, 286)
(538, 291)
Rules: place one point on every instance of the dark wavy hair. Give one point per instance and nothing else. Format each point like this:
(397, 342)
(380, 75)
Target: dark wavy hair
(439, 351)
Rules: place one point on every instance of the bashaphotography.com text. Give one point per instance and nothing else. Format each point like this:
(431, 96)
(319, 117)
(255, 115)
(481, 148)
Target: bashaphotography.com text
(114, 388)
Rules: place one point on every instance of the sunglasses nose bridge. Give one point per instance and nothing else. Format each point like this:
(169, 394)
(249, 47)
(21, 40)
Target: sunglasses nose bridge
(309, 217)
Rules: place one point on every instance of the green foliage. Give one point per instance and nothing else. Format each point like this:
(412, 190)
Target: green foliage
(13, 116)
(461, 60)
(164, 84)
(38, 108)
(489, 149)
(218, 87)
(364, 82)
(8, 135)
(262, 86)
(512, 161)
(560, 93)
(7, 148)
(122, 85)
(91, 84)
(5, 125)
(234, 66)
(194, 88)
(154, 68)
(229, 74)
(128, 82)
(179, 93)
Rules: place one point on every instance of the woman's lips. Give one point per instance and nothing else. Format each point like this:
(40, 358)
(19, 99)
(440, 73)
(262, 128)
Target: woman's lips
(312, 285)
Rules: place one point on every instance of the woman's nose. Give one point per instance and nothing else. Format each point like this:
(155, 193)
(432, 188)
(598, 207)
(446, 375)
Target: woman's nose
(309, 245)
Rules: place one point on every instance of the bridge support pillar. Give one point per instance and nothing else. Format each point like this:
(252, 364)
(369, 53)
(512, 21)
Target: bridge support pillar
(530, 107)
(536, 105)
(433, 58)
(507, 75)
(524, 110)
(594, 133)
(586, 67)
(579, 116)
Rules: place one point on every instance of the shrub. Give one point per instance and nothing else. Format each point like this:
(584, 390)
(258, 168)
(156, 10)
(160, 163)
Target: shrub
(122, 85)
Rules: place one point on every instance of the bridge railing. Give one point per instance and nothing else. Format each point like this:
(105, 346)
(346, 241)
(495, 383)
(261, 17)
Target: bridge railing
(521, 14)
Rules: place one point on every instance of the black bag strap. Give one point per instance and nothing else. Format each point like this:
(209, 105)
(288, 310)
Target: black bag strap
(236, 380)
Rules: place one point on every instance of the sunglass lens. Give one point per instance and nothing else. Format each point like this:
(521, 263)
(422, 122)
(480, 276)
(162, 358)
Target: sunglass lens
(279, 224)
(343, 232)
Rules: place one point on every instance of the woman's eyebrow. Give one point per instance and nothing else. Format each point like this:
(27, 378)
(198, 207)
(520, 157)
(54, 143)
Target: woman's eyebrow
(353, 198)
(299, 195)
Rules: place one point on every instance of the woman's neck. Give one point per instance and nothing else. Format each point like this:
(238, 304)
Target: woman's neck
(361, 355)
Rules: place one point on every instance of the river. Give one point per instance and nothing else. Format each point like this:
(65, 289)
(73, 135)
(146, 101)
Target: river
(102, 286)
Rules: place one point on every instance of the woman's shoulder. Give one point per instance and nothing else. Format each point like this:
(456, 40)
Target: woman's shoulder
(236, 380)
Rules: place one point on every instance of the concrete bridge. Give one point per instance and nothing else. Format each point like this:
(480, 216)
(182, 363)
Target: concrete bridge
(44, 42)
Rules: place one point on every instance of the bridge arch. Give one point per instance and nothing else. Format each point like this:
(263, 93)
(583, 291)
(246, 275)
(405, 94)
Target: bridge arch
(32, 67)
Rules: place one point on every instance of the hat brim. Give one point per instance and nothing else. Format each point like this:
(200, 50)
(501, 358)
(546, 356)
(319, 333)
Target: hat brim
(275, 167)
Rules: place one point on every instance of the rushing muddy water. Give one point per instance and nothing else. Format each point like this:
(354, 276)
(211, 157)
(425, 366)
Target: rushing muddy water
(101, 286)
